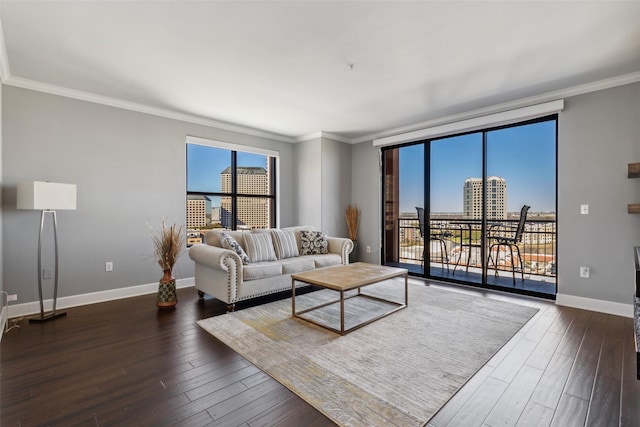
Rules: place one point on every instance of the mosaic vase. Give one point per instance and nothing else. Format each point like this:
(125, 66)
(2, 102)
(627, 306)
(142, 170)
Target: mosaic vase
(167, 297)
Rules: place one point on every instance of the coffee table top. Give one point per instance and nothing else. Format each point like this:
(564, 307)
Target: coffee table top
(351, 276)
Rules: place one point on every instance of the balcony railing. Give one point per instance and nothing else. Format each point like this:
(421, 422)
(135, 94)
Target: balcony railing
(463, 242)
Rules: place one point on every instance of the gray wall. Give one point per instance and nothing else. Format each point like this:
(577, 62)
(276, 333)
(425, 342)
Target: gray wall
(366, 178)
(336, 186)
(323, 184)
(599, 134)
(308, 182)
(130, 172)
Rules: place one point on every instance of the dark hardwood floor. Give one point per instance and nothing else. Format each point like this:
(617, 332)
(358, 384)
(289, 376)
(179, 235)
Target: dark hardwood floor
(124, 363)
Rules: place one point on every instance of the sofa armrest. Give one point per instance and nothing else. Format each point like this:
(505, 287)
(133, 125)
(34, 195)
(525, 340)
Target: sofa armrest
(218, 271)
(341, 246)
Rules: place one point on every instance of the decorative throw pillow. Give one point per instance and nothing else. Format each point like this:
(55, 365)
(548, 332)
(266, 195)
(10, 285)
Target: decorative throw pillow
(314, 242)
(284, 242)
(259, 247)
(229, 242)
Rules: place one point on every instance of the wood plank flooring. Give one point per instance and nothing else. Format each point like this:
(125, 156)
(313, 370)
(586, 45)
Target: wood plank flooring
(124, 363)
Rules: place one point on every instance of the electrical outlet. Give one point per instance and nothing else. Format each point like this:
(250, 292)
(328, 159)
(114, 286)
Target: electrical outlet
(108, 266)
(368, 249)
(12, 297)
(46, 273)
(584, 209)
(584, 272)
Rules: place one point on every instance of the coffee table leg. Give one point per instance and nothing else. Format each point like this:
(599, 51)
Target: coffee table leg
(406, 289)
(293, 297)
(341, 312)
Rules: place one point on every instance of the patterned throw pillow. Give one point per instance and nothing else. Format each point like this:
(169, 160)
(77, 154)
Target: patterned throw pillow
(229, 242)
(314, 242)
(284, 242)
(259, 247)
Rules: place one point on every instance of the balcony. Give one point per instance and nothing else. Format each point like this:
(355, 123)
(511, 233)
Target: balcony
(463, 247)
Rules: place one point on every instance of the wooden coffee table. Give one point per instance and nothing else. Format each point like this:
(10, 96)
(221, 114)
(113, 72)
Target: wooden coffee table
(345, 278)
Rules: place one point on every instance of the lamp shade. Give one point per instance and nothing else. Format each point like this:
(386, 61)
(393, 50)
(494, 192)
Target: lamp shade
(40, 195)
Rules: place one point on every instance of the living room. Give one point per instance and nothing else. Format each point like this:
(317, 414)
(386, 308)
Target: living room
(129, 165)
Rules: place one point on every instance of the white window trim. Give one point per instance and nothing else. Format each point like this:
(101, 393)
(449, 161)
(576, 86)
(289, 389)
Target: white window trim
(231, 146)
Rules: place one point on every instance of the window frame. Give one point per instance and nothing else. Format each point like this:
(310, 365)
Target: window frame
(234, 150)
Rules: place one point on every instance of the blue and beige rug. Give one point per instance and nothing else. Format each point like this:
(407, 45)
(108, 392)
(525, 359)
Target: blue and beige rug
(398, 370)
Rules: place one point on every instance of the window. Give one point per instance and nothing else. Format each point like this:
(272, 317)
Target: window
(469, 183)
(228, 188)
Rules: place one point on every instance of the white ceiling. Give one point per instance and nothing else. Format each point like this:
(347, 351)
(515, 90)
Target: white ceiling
(284, 67)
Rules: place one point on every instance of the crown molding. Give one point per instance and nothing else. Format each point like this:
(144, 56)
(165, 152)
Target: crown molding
(141, 108)
(322, 134)
(511, 105)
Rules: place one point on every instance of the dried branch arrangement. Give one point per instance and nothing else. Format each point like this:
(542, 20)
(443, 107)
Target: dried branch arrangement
(168, 245)
(352, 215)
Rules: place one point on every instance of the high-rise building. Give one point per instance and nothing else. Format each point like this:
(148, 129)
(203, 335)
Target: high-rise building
(252, 212)
(496, 202)
(196, 211)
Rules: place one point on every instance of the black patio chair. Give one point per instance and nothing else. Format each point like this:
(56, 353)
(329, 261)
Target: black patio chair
(509, 237)
(438, 235)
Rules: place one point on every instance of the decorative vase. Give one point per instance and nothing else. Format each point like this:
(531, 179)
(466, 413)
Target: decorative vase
(167, 297)
(353, 256)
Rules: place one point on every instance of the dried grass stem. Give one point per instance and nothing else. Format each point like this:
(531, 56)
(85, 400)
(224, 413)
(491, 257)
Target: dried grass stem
(352, 215)
(168, 245)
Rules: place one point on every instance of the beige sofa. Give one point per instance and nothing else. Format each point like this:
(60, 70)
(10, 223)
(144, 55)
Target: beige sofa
(221, 273)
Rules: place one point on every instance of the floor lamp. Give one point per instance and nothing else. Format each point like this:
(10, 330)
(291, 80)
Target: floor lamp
(47, 197)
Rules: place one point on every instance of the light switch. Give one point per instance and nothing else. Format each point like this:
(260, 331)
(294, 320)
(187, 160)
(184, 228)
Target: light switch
(584, 209)
(584, 272)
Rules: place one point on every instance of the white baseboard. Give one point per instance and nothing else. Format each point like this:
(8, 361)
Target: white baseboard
(608, 307)
(30, 308)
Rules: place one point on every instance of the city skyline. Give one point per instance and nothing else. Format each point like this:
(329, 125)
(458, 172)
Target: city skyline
(209, 171)
(525, 156)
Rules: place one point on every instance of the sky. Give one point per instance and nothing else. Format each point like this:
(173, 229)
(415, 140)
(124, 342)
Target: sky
(204, 165)
(525, 156)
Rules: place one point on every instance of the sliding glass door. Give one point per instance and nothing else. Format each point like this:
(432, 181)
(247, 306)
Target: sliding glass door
(404, 184)
(523, 160)
(453, 207)
(453, 163)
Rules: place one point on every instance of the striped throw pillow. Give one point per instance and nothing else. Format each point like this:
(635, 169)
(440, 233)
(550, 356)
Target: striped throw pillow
(259, 247)
(284, 243)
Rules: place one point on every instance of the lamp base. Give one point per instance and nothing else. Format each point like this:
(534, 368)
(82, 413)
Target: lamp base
(48, 316)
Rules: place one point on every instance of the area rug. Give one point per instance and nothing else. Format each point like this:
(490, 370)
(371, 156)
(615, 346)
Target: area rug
(398, 370)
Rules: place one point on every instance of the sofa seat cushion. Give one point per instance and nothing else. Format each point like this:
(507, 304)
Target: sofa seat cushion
(261, 270)
(326, 260)
(297, 265)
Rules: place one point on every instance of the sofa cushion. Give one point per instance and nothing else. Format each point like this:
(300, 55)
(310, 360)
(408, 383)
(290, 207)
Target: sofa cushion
(297, 265)
(259, 247)
(214, 237)
(313, 242)
(296, 232)
(284, 243)
(229, 242)
(327, 260)
(261, 270)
